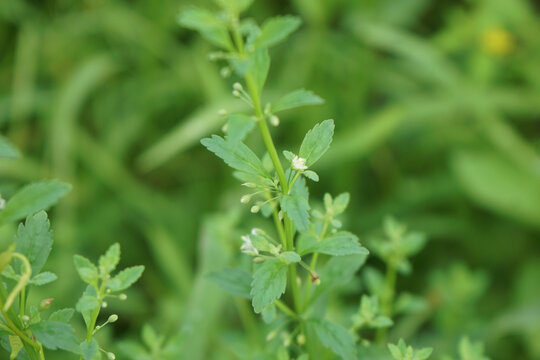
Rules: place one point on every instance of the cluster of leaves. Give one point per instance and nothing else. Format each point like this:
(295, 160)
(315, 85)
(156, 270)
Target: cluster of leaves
(25, 329)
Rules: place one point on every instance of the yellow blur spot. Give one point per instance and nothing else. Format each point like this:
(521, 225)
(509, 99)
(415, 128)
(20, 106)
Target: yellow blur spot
(497, 41)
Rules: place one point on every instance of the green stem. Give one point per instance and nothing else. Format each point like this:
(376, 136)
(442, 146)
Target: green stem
(388, 299)
(287, 310)
(313, 264)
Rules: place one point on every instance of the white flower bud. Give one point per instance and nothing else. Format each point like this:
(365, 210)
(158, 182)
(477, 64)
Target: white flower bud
(222, 112)
(122, 297)
(2, 203)
(237, 86)
(245, 199)
(274, 120)
(112, 318)
(249, 185)
(111, 356)
(104, 304)
(236, 93)
(255, 209)
(299, 163)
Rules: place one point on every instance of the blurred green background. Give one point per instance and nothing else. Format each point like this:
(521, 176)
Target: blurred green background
(437, 111)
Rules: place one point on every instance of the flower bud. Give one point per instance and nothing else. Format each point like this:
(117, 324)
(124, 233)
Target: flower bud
(236, 93)
(245, 199)
(274, 120)
(222, 112)
(2, 203)
(255, 209)
(111, 356)
(44, 304)
(113, 318)
(258, 259)
(237, 86)
(301, 339)
(122, 297)
(104, 304)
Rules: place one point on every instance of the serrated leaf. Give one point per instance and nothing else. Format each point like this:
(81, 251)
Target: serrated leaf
(208, 25)
(237, 155)
(338, 244)
(317, 141)
(235, 281)
(34, 240)
(296, 98)
(89, 349)
(86, 269)
(276, 29)
(339, 271)
(33, 198)
(297, 209)
(335, 337)
(269, 282)
(109, 261)
(55, 335)
(63, 315)
(238, 126)
(43, 278)
(7, 150)
(125, 278)
(16, 345)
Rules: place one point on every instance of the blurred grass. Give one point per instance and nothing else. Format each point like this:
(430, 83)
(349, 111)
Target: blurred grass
(437, 114)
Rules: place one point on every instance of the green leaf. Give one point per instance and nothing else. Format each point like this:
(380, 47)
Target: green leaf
(335, 337)
(394, 351)
(497, 184)
(297, 209)
(234, 6)
(423, 354)
(258, 67)
(87, 303)
(109, 261)
(276, 29)
(63, 315)
(125, 278)
(296, 99)
(43, 278)
(290, 257)
(317, 141)
(5, 257)
(338, 244)
(235, 281)
(34, 240)
(237, 155)
(33, 198)
(208, 25)
(55, 335)
(16, 345)
(87, 271)
(269, 282)
(238, 126)
(340, 203)
(89, 349)
(7, 150)
(339, 271)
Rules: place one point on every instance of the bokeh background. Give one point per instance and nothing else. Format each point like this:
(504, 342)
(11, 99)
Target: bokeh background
(437, 110)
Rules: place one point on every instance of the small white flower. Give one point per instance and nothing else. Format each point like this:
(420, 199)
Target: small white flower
(299, 163)
(247, 246)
